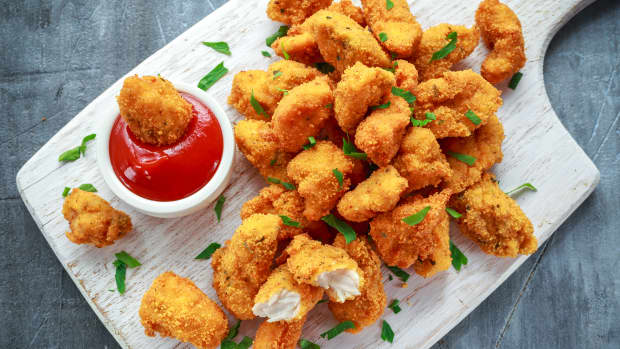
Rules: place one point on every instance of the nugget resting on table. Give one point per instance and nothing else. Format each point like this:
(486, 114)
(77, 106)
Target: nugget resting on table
(175, 307)
(313, 172)
(406, 75)
(485, 145)
(369, 306)
(244, 263)
(294, 11)
(380, 134)
(420, 159)
(324, 266)
(493, 220)
(361, 87)
(154, 110)
(379, 193)
(281, 298)
(278, 335)
(402, 30)
(92, 220)
(302, 113)
(434, 39)
(451, 97)
(502, 33)
(400, 244)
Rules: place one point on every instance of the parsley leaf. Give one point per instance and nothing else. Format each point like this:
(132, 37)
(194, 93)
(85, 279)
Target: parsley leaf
(232, 333)
(245, 343)
(329, 105)
(121, 271)
(381, 106)
(528, 186)
(383, 37)
(306, 344)
(312, 143)
(395, 306)
(220, 46)
(421, 123)
(291, 223)
(341, 226)
(276, 73)
(88, 187)
(282, 31)
(212, 77)
(345, 325)
(458, 258)
(339, 176)
(389, 4)
(417, 217)
(399, 273)
(286, 185)
(386, 332)
(514, 81)
(324, 67)
(208, 252)
(322, 301)
(256, 105)
(442, 53)
(75, 153)
(473, 117)
(468, 159)
(127, 259)
(266, 54)
(66, 192)
(284, 53)
(454, 213)
(350, 150)
(284, 92)
(218, 207)
(406, 95)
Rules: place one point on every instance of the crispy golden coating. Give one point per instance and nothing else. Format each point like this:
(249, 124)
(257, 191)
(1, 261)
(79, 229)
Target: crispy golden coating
(420, 159)
(302, 113)
(275, 199)
(502, 33)
(154, 110)
(312, 171)
(175, 307)
(485, 145)
(369, 306)
(244, 263)
(434, 39)
(300, 46)
(347, 8)
(260, 146)
(406, 75)
(361, 87)
(380, 134)
(493, 220)
(294, 11)
(379, 193)
(451, 97)
(342, 42)
(278, 335)
(398, 23)
(293, 74)
(92, 220)
(402, 245)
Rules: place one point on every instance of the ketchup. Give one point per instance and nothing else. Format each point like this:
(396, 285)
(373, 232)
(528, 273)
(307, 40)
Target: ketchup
(172, 172)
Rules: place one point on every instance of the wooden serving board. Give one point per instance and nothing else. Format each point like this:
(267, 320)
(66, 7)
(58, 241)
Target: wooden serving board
(537, 149)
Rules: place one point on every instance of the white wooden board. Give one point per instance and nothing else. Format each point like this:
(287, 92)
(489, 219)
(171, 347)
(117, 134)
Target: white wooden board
(537, 149)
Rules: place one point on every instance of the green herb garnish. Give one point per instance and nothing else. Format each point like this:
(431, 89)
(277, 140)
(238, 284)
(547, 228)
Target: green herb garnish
(311, 143)
(245, 343)
(470, 160)
(65, 192)
(218, 207)
(454, 213)
(121, 271)
(276, 73)
(75, 153)
(473, 117)
(219, 46)
(339, 176)
(291, 223)
(386, 332)
(417, 217)
(350, 150)
(232, 333)
(88, 187)
(286, 185)
(329, 105)
(430, 117)
(322, 301)
(282, 31)
(383, 37)
(212, 77)
(341, 327)
(266, 54)
(528, 186)
(514, 81)
(256, 105)
(389, 4)
(399, 273)
(341, 226)
(284, 92)
(306, 344)
(284, 53)
(446, 49)
(324, 67)
(406, 95)
(458, 258)
(395, 306)
(208, 252)
(127, 259)
(381, 106)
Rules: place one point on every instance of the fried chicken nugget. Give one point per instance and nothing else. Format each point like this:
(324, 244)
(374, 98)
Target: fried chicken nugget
(493, 220)
(434, 39)
(175, 307)
(347, 8)
(485, 145)
(278, 335)
(281, 298)
(451, 97)
(361, 87)
(379, 193)
(313, 172)
(294, 11)
(420, 159)
(400, 244)
(502, 33)
(244, 263)
(324, 266)
(398, 23)
(406, 75)
(259, 144)
(370, 305)
(380, 134)
(302, 114)
(92, 220)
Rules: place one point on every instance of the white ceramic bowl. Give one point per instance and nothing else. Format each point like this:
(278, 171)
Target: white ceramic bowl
(168, 209)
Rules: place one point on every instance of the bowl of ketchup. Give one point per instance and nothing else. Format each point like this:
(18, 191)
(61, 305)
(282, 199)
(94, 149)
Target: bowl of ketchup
(169, 180)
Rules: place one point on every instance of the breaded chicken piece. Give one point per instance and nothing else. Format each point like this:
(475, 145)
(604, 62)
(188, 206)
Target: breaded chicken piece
(277, 200)
(434, 39)
(400, 244)
(294, 11)
(361, 87)
(244, 263)
(493, 220)
(398, 23)
(451, 97)
(485, 145)
(420, 159)
(324, 266)
(502, 33)
(379, 193)
(406, 75)
(281, 298)
(342, 42)
(278, 335)
(302, 114)
(292, 74)
(260, 146)
(370, 305)
(175, 307)
(380, 134)
(313, 172)
(92, 220)
(347, 8)
(154, 110)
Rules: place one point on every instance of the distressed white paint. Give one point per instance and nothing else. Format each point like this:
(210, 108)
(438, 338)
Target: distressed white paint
(537, 149)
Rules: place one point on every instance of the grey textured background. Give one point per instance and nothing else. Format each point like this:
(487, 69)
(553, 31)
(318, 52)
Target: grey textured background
(56, 56)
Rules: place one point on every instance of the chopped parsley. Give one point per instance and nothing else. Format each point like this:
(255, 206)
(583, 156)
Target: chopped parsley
(122, 262)
(454, 213)
(65, 192)
(399, 273)
(88, 187)
(417, 217)
(390, 278)
(291, 223)
(284, 53)
(75, 153)
(389, 4)
(514, 81)
(341, 226)
(212, 77)
(339, 176)
(395, 306)
(381, 106)
(127, 259)
(286, 185)
(383, 37)
(473, 117)
(386, 332)
(208, 252)
(220, 46)
(266, 54)
(232, 333)
(528, 186)
(324, 67)
(406, 95)
(256, 105)
(458, 258)
(218, 207)
(284, 92)
(276, 73)
(322, 301)
(245, 343)
(350, 150)
(341, 327)
(442, 53)
(430, 117)
(306, 344)
(273, 162)
(311, 143)
(329, 106)
(468, 159)
(282, 31)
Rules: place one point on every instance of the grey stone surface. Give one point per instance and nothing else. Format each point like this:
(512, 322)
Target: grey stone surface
(56, 56)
